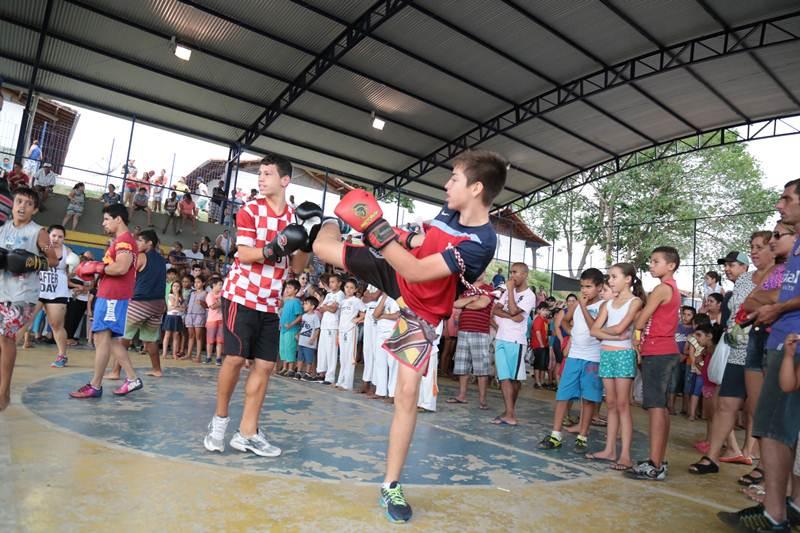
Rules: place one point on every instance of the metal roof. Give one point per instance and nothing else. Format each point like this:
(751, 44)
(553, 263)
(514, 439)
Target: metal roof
(560, 88)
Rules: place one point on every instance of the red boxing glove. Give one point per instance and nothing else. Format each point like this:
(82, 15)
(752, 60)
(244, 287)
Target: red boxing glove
(404, 237)
(360, 210)
(88, 269)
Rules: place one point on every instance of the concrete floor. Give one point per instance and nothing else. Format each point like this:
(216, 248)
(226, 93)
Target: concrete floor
(138, 462)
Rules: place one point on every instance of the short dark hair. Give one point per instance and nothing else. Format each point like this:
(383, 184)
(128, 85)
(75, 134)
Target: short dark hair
(283, 165)
(688, 308)
(293, 283)
(28, 193)
(334, 275)
(58, 227)
(313, 301)
(716, 296)
(702, 318)
(117, 210)
(764, 235)
(670, 254)
(594, 275)
(795, 184)
(542, 305)
(713, 275)
(142, 189)
(351, 280)
(149, 235)
(172, 270)
(570, 295)
(485, 167)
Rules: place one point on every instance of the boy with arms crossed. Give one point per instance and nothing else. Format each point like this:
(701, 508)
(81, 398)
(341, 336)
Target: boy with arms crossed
(424, 274)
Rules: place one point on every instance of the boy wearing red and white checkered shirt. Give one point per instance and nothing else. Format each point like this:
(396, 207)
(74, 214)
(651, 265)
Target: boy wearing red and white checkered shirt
(269, 245)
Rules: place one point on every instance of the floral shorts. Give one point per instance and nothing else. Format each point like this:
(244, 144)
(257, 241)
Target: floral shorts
(13, 316)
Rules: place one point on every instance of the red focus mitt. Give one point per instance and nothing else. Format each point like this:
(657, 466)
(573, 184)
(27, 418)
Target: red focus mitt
(88, 269)
(360, 210)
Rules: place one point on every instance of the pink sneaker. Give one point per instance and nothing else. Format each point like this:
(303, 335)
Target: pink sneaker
(87, 391)
(129, 386)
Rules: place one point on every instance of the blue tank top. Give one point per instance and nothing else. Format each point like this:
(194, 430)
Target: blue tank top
(788, 322)
(152, 281)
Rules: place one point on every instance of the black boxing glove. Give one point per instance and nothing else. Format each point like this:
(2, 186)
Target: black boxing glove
(292, 238)
(309, 215)
(3, 255)
(22, 261)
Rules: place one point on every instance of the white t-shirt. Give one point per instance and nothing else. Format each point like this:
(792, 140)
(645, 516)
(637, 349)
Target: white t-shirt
(308, 324)
(385, 325)
(584, 346)
(331, 320)
(507, 329)
(369, 317)
(193, 255)
(348, 310)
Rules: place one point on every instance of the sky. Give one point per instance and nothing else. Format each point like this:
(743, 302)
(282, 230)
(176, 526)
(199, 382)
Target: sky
(100, 142)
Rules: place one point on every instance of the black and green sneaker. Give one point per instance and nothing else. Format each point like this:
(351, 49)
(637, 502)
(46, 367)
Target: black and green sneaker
(393, 500)
(550, 443)
(732, 519)
(581, 444)
(753, 519)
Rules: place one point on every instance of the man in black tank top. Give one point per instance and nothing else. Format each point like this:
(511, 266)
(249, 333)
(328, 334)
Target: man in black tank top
(147, 306)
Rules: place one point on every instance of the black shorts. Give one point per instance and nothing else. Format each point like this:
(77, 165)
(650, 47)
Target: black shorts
(139, 207)
(656, 377)
(62, 300)
(368, 265)
(541, 358)
(732, 385)
(249, 333)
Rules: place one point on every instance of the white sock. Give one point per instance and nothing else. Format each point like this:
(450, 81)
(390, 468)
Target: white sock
(556, 434)
(794, 505)
(774, 522)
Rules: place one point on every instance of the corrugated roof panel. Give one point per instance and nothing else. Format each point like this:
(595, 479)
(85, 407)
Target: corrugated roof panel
(283, 19)
(744, 83)
(558, 142)
(632, 107)
(388, 102)
(19, 41)
(129, 43)
(428, 38)
(663, 19)
(304, 154)
(118, 74)
(785, 68)
(679, 90)
(15, 73)
(128, 106)
(347, 119)
(596, 127)
(397, 69)
(523, 157)
(738, 13)
(512, 31)
(193, 26)
(521, 182)
(348, 10)
(30, 11)
(344, 145)
(593, 26)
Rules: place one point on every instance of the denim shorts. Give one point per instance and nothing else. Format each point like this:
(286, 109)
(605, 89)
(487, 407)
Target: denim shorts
(678, 381)
(657, 373)
(777, 413)
(756, 345)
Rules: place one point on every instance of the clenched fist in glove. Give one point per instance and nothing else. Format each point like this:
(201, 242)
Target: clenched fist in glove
(3, 258)
(22, 261)
(88, 269)
(309, 215)
(292, 238)
(361, 211)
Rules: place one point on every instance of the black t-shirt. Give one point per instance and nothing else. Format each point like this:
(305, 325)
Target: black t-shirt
(217, 195)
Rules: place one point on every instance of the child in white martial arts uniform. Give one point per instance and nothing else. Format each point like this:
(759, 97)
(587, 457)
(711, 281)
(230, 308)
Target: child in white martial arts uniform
(370, 300)
(384, 369)
(351, 313)
(428, 387)
(329, 331)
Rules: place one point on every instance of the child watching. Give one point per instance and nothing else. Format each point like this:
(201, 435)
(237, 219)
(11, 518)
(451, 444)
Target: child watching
(291, 315)
(77, 199)
(580, 379)
(707, 336)
(659, 357)
(140, 204)
(351, 314)
(170, 206)
(173, 323)
(214, 337)
(681, 374)
(618, 359)
(196, 318)
(307, 339)
(329, 331)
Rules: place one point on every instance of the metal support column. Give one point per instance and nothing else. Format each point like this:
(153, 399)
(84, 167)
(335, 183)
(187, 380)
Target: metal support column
(324, 191)
(125, 167)
(694, 258)
(24, 126)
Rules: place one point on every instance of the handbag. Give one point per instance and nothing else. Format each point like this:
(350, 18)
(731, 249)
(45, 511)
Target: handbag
(716, 368)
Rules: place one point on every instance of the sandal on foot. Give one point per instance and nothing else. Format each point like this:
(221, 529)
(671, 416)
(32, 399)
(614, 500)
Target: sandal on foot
(599, 422)
(455, 400)
(739, 460)
(621, 467)
(750, 479)
(594, 457)
(700, 468)
(755, 492)
(483, 407)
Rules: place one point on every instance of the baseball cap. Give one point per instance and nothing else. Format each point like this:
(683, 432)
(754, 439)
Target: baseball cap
(46, 165)
(734, 257)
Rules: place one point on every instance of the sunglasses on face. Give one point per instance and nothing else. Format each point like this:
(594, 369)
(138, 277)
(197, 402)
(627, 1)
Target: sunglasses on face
(777, 235)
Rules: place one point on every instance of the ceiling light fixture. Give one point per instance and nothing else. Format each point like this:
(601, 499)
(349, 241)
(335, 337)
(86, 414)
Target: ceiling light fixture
(377, 123)
(180, 51)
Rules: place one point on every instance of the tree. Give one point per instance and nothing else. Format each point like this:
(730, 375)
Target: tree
(632, 212)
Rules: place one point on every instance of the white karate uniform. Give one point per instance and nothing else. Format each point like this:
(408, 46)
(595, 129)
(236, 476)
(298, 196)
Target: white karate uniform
(348, 340)
(370, 330)
(384, 368)
(429, 387)
(328, 338)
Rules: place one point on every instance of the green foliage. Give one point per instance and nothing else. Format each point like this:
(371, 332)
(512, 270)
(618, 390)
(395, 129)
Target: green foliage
(630, 213)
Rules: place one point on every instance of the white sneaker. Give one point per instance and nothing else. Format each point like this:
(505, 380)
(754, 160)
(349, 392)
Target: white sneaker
(215, 438)
(257, 444)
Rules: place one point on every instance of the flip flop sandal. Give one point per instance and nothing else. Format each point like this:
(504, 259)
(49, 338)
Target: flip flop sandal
(594, 457)
(739, 460)
(599, 422)
(619, 467)
(749, 479)
(702, 469)
(483, 407)
(500, 422)
(755, 492)
(455, 400)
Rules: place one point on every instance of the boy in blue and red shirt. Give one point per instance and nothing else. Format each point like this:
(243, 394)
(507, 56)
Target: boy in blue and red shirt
(424, 273)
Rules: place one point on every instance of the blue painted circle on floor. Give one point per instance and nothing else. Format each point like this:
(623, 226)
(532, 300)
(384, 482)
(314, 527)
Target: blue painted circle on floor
(324, 434)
